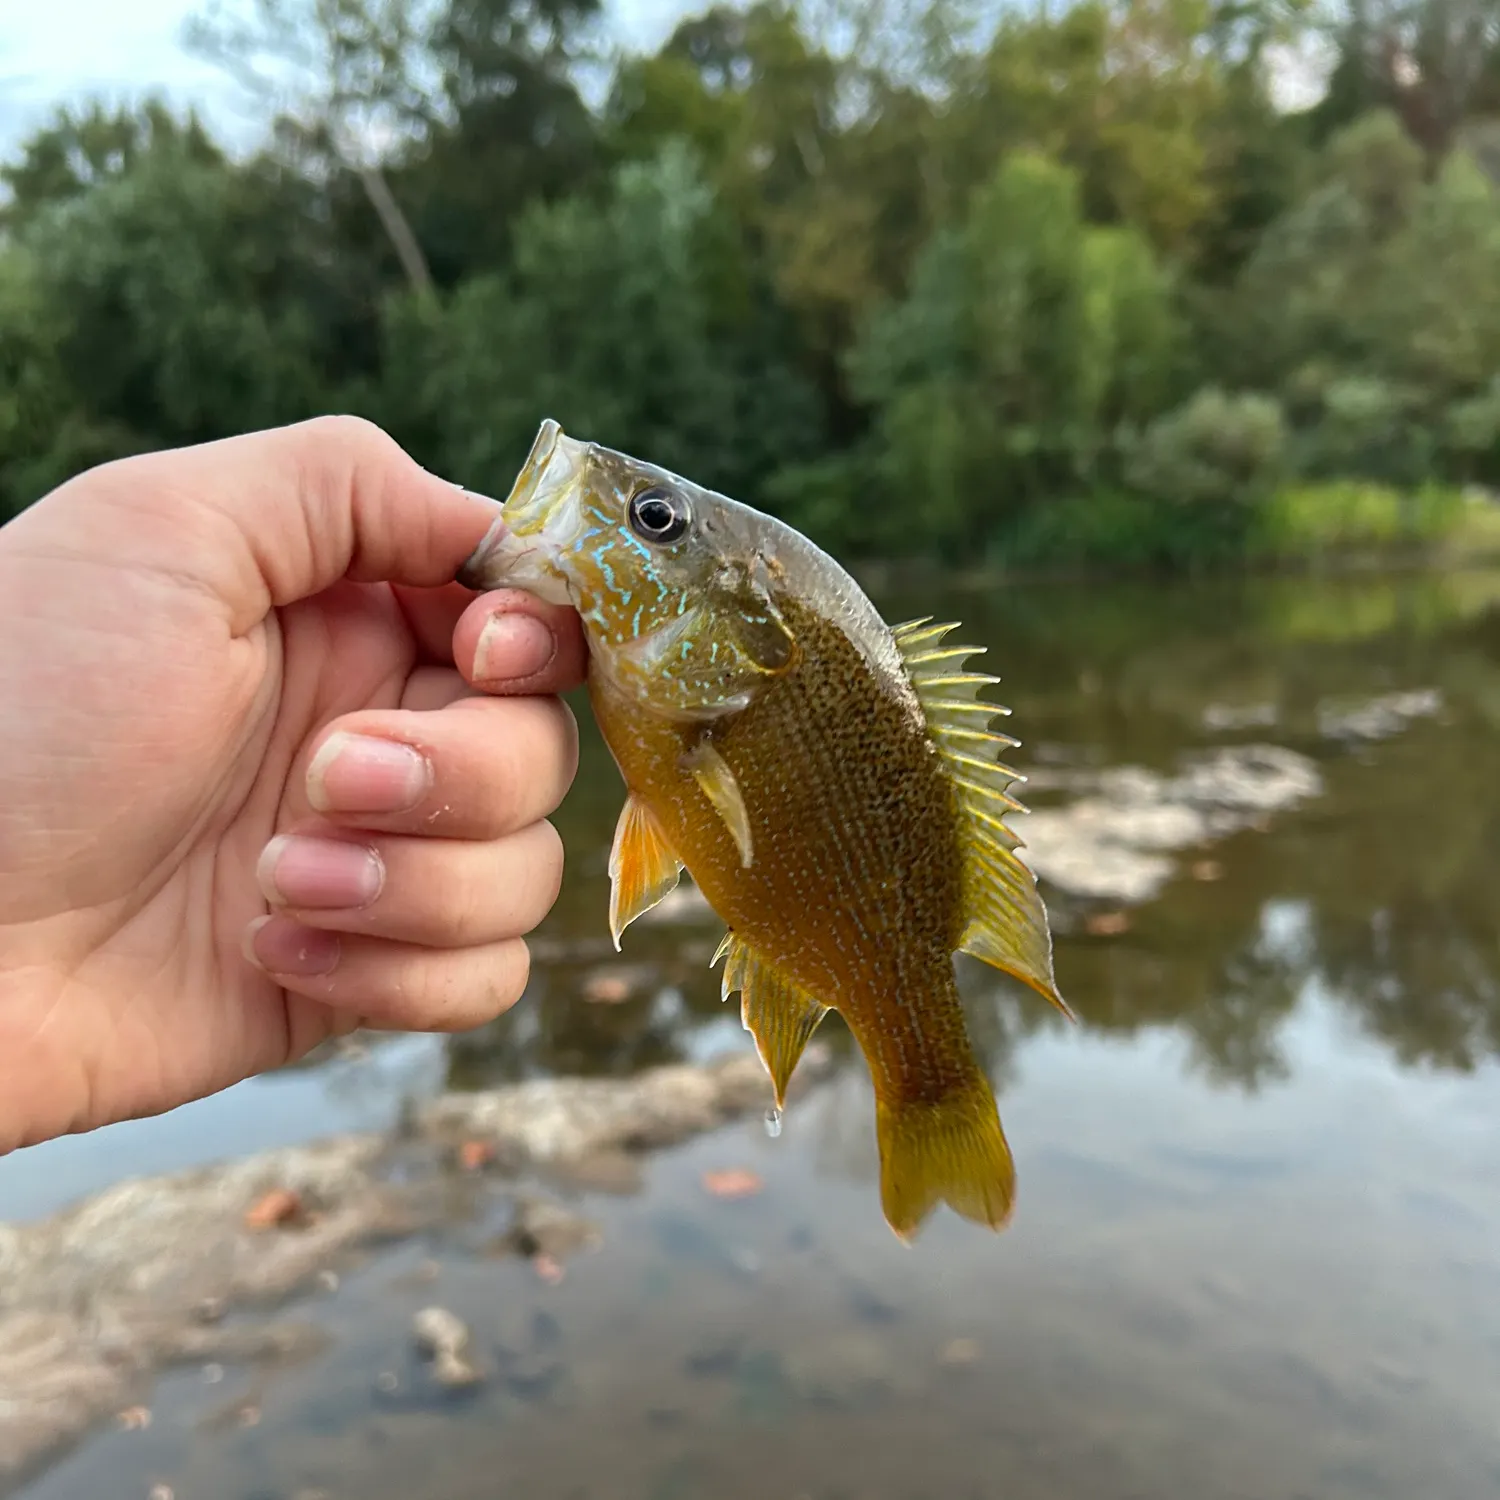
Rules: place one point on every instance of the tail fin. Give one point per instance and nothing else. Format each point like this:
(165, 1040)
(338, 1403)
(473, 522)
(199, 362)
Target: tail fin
(952, 1150)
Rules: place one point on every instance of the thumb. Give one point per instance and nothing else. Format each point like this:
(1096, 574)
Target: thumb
(271, 517)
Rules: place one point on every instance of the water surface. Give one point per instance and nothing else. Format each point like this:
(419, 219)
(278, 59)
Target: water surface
(1257, 1248)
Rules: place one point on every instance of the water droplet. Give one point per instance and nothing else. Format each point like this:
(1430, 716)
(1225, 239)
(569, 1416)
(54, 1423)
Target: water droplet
(773, 1122)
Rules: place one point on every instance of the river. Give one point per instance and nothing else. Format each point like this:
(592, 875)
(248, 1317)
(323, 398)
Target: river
(1256, 1254)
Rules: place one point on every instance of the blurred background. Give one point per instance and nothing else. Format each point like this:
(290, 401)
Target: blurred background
(1158, 341)
(1136, 283)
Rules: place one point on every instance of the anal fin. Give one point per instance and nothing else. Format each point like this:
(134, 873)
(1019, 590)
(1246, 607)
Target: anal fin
(642, 866)
(779, 1015)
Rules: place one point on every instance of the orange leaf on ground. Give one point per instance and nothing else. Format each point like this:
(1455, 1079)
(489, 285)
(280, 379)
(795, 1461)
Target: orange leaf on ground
(279, 1206)
(735, 1182)
(474, 1154)
(606, 989)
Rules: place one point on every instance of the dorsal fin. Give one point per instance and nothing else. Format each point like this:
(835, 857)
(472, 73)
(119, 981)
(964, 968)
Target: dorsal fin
(1005, 921)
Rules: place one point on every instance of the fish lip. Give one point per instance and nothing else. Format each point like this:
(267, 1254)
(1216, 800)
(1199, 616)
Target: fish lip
(475, 573)
(511, 539)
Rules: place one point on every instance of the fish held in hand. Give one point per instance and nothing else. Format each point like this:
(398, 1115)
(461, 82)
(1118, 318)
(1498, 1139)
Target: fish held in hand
(831, 784)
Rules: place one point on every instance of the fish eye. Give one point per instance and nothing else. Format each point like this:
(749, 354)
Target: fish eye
(659, 516)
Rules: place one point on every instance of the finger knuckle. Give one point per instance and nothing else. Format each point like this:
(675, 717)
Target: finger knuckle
(345, 430)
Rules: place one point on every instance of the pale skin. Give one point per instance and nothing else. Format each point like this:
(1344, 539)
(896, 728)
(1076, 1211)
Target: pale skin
(266, 774)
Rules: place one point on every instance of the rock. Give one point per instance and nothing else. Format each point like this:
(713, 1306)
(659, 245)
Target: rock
(94, 1298)
(559, 1120)
(443, 1338)
(615, 1172)
(1378, 718)
(1113, 844)
(542, 1227)
(1221, 717)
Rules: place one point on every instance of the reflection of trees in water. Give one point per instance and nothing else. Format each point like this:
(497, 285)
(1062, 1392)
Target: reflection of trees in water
(1393, 877)
(1422, 980)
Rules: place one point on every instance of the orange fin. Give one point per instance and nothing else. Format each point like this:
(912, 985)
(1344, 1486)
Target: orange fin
(642, 867)
(1005, 922)
(953, 1151)
(780, 1016)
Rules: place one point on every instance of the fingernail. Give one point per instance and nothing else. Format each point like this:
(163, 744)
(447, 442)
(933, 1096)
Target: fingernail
(298, 871)
(356, 773)
(512, 646)
(281, 946)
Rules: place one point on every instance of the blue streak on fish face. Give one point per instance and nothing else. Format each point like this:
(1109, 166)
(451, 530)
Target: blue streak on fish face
(686, 624)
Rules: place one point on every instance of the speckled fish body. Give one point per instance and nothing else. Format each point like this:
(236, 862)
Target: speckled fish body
(829, 783)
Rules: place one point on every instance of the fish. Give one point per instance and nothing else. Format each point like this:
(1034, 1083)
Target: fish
(830, 783)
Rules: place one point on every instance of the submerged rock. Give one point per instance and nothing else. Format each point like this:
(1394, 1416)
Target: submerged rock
(1114, 843)
(542, 1227)
(1378, 718)
(442, 1337)
(557, 1120)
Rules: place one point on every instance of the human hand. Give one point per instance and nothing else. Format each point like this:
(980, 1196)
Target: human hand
(247, 800)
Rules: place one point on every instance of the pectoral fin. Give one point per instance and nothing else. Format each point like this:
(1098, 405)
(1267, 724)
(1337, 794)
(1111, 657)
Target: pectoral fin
(642, 867)
(781, 1017)
(716, 781)
(1005, 923)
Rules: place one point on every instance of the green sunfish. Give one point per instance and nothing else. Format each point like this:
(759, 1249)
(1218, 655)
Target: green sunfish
(830, 784)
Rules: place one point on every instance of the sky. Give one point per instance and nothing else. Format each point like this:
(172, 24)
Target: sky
(53, 51)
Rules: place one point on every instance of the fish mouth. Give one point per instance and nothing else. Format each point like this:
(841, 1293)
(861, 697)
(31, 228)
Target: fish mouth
(521, 549)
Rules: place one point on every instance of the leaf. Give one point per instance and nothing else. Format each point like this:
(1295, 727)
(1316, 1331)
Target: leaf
(733, 1182)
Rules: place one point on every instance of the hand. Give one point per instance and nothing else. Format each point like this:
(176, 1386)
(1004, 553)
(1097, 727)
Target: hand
(247, 801)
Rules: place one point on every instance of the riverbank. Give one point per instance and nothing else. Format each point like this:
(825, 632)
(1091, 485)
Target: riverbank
(1344, 529)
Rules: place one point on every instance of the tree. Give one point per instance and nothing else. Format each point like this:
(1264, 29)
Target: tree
(84, 148)
(341, 77)
(1026, 340)
(612, 320)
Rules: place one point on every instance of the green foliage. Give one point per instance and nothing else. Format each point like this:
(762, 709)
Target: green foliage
(1347, 516)
(1216, 450)
(613, 318)
(1074, 289)
(1026, 338)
